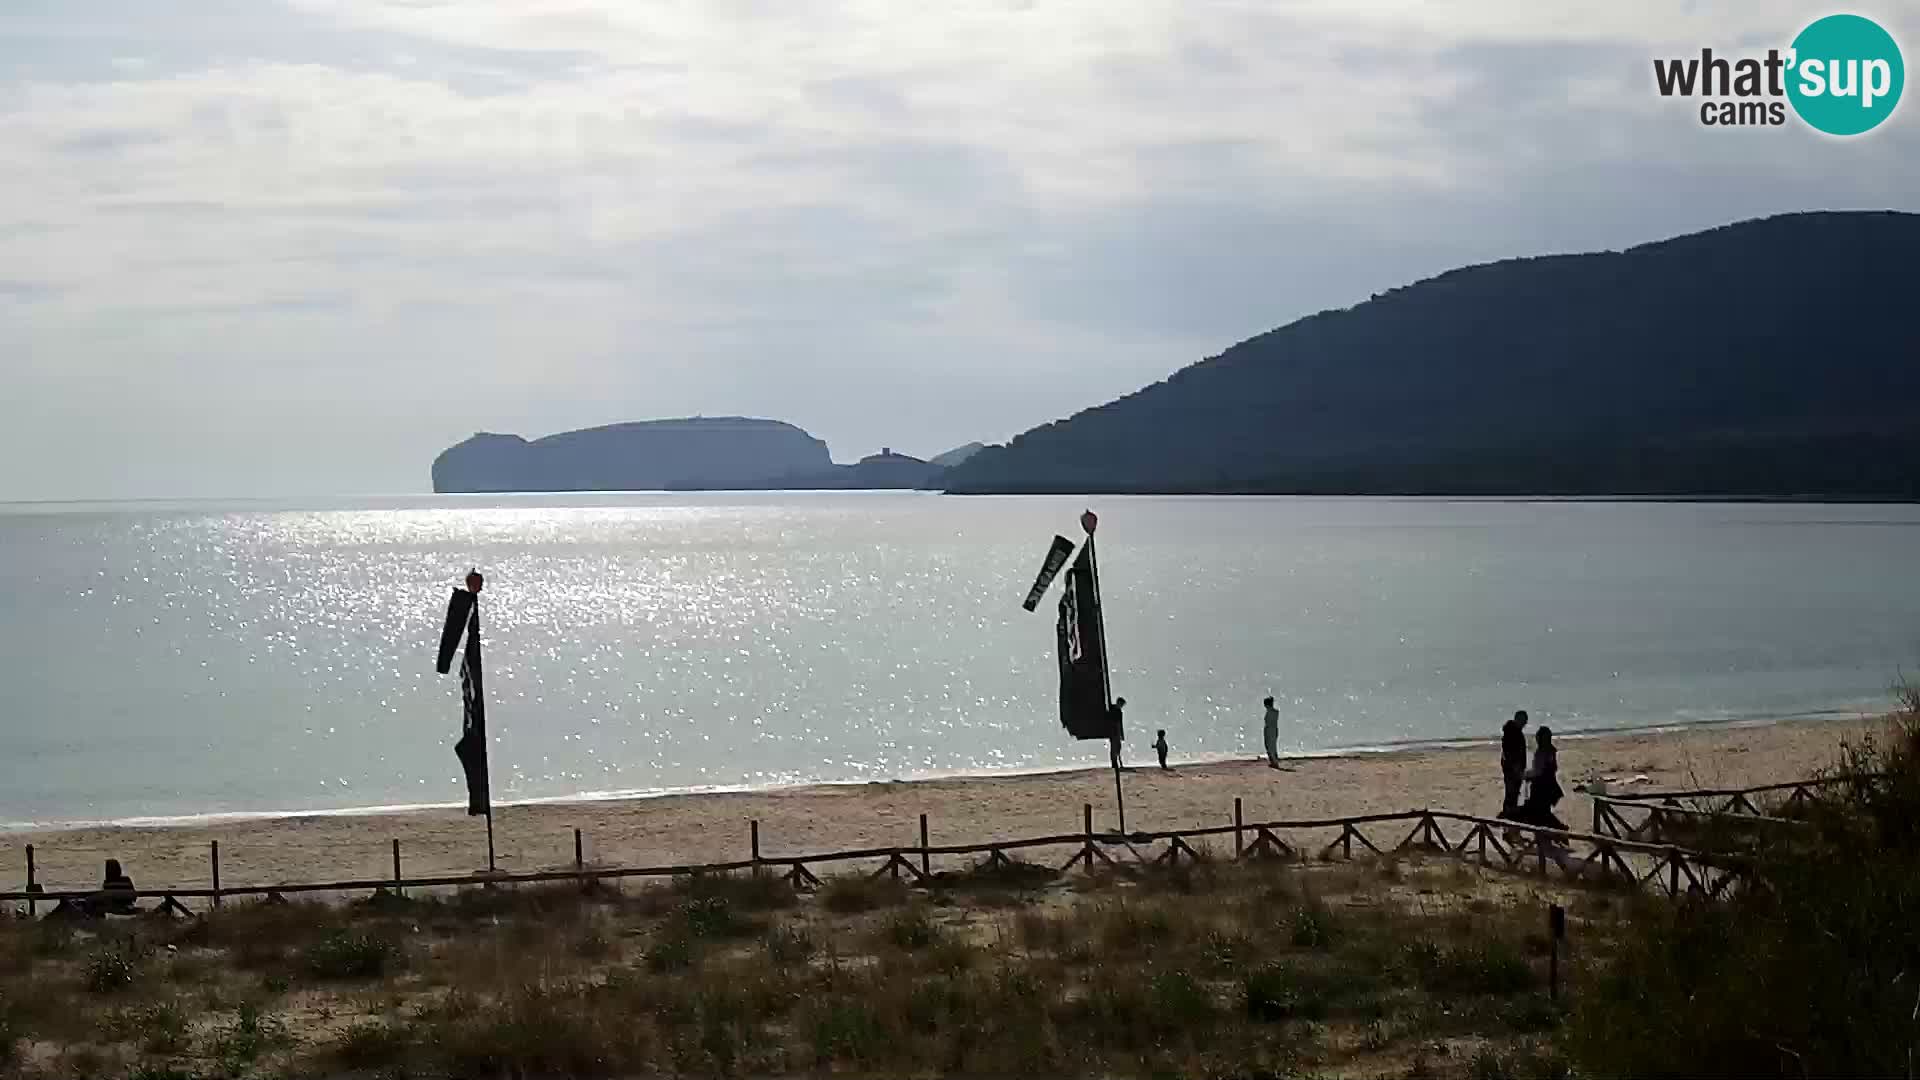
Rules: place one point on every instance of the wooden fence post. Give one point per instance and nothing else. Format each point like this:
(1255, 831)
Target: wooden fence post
(753, 828)
(396, 868)
(1239, 823)
(579, 858)
(213, 853)
(926, 865)
(33, 906)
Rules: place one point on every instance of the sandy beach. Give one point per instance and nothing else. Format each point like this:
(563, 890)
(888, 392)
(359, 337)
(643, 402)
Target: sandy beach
(714, 827)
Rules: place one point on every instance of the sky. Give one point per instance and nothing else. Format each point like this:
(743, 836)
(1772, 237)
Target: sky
(274, 248)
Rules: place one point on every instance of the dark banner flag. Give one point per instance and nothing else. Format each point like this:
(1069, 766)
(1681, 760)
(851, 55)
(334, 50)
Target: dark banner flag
(463, 611)
(1083, 646)
(1056, 558)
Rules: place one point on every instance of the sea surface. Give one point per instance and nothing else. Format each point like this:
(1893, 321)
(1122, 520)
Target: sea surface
(178, 659)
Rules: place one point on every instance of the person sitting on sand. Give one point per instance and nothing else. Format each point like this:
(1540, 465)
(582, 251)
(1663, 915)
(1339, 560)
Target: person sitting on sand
(1513, 760)
(116, 891)
(1160, 747)
(1115, 731)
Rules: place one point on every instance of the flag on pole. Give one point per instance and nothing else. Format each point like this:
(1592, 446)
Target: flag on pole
(1049, 569)
(463, 613)
(1083, 647)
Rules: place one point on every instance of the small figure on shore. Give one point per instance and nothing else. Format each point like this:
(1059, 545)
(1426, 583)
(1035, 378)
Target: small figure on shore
(1160, 748)
(1270, 731)
(1115, 730)
(1513, 760)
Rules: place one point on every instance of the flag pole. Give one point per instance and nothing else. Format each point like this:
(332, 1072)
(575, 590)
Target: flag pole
(1089, 522)
(474, 585)
(463, 618)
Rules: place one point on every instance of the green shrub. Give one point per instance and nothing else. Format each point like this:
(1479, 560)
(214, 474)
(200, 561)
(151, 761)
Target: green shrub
(673, 952)
(759, 890)
(1129, 926)
(372, 1044)
(846, 1029)
(789, 946)
(109, 971)
(345, 955)
(251, 1034)
(1226, 950)
(1280, 992)
(1179, 1002)
(560, 1029)
(710, 917)
(159, 1028)
(911, 929)
(1312, 927)
(1476, 966)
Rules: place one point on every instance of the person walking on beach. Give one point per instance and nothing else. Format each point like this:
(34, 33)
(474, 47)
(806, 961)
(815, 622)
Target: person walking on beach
(1513, 760)
(1270, 731)
(1160, 748)
(1544, 783)
(1115, 731)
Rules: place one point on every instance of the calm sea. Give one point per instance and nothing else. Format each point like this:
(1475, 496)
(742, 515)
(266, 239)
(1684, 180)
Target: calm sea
(179, 659)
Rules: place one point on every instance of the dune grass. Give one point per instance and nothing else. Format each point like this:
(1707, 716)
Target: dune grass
(1209, 970)
(1816, 973)
(1415, 968)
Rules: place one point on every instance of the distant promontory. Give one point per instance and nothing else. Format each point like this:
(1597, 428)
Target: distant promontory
(1777, 358)
(648, 455)
(700, 453)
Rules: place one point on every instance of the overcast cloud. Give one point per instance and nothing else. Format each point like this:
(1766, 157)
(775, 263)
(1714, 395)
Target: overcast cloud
(279, 247)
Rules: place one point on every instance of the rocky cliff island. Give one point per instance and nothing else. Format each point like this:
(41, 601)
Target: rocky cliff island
(649, 455)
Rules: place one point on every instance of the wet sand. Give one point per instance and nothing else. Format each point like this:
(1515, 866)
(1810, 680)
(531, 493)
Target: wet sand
(681, 829)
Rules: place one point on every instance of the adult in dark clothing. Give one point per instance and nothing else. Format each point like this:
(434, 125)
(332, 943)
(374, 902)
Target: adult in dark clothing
(116, 891)
(1513, 760)
(1115, 731)
(1543, 785)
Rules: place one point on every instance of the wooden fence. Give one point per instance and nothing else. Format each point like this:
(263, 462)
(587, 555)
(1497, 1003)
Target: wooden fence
(1730, 813)
(1588, 858)
(1752, 801)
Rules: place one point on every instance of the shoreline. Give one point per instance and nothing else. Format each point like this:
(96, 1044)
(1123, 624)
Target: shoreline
(211, 819)
(685, 829)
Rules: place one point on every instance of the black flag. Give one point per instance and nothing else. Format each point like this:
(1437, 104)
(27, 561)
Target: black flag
(1056, 558)
(463, 609)
(1083, 649)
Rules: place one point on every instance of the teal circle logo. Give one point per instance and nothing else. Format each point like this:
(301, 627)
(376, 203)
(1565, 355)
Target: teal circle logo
(1846, 75)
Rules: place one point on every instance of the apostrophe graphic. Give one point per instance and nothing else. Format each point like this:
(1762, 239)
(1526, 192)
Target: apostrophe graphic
(1846, 75)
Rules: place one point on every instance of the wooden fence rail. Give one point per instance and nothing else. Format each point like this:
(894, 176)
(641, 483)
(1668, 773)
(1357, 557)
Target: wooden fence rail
(1658, 822)
(1489, 842)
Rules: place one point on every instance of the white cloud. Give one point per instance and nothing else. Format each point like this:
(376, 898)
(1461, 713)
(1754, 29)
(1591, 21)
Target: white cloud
(390, 222)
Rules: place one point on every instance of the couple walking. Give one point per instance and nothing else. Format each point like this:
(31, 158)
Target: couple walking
(1542, 778)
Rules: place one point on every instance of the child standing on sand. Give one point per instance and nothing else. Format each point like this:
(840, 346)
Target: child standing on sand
(1160, 747)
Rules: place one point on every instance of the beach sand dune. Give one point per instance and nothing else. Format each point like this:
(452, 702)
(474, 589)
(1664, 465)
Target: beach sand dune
(695, 828)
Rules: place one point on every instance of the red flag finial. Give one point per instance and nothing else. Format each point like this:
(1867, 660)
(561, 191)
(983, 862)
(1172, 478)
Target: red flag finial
(474, 581)
(1088, 520)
